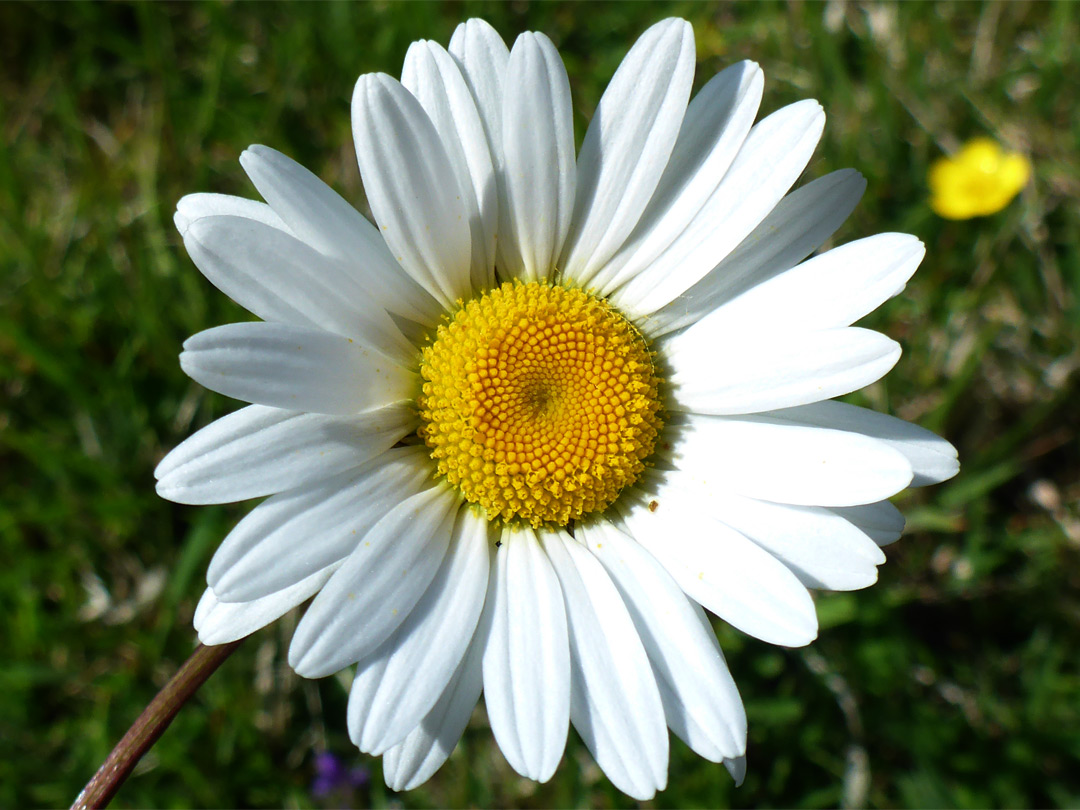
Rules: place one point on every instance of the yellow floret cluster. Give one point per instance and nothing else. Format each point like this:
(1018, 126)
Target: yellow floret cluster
(539, 402)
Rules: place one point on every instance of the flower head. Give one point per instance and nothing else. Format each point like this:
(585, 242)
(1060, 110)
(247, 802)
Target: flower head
(523, 431)
(979, 180)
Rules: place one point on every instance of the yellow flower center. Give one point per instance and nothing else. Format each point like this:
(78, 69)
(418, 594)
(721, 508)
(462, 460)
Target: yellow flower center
(539, 402)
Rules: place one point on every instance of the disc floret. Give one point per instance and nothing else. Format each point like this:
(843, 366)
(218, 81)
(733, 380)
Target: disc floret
(539, 402)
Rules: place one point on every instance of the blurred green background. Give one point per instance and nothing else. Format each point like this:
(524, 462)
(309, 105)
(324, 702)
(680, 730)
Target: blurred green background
(955, 682)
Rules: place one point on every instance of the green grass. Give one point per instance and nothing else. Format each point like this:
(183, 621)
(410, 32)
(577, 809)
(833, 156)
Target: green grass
(956, 679)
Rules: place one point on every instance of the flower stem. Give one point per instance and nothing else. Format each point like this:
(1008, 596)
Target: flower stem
(151, 724)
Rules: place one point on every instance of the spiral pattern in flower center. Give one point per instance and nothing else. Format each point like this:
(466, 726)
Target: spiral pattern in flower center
(539, 402)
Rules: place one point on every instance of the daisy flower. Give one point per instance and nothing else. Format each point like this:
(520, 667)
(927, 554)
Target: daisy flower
(523, 431)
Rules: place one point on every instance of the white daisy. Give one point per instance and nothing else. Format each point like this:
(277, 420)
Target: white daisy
(524, 431)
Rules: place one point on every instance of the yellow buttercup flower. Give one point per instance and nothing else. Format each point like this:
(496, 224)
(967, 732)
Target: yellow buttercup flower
(979, 180)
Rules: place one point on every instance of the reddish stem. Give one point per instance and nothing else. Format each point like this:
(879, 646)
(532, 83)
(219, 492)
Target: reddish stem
(155, 718)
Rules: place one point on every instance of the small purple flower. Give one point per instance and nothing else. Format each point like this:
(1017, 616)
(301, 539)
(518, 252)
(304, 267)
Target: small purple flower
(333, 778)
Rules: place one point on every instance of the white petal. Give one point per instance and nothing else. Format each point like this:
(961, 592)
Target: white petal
(412, 762)
(279, 278)
(527, 658)
(196, 206)
(411, 187)
(221, 622)
(798, 225)
(399, 683)
(737, 768)
(433, 76)
(259, 451)
(932, 458)
(714, 128)
(718, 567)
(318, 215)
(774, 460)
(820, 547)
(614, 704)
(831, 290)
(483, 56)
(881, 521)
(294, 368)
(628, 144)
(773, 156)
(298, 532)
(539, 174)
(377, 586)
(701, 701)
(207, 602)
(728, 375)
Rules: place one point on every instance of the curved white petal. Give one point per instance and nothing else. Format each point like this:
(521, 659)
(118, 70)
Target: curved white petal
(614, 701)
(294, 534)
(294, 368)
(701, 702)
(728, 375)
(932, 459)
(377, 586)
(433, 76)
(196, 206)
(280, 278)
(219, 622)
(737, 768)
(412, 762)
(483, 56)
(831, 290)
(411, 187)
(822, 549)
(775, 460)
(628, 144)
(397, 685)
(527, 657)
(716, 124)
(717, 566)
(773, 156)
(798, 225)
(318, 216)
(539, 174)
(881, 522)
(259, 451)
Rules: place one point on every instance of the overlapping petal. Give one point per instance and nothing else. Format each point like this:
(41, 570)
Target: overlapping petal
(527, 657)
(718, 567)
(318, 216)
(219, 622)
(932, 459)
(412, 762)
(828, 291)
(411, 187)
(777, 460)
(701, 702)
(434, 77)
(280, 278)
(716, 124)
(377, 586)
(797, 226)
(298, 532)
(538, 173)
(294, 368)
(772, 157)
(628, 144)
(614, 701)
(779, 371)
(398, 685)
(259, 451)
